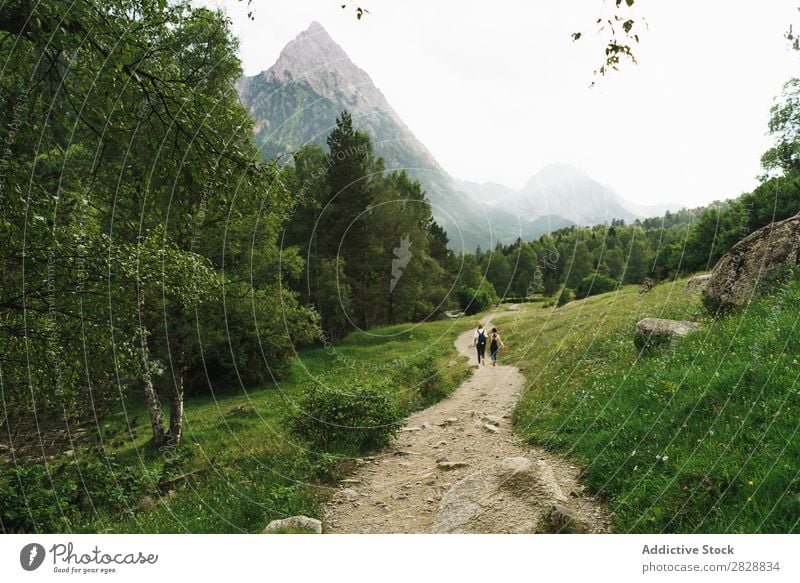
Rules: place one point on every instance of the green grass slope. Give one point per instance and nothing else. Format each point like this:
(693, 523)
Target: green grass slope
(700, 436)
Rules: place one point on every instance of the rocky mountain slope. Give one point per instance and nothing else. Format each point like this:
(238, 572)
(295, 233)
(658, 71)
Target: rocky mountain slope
(297, 100)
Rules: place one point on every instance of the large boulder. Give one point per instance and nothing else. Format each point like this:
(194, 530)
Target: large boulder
(562, 520)
(652, 332)
(509, 497)
(752, 261)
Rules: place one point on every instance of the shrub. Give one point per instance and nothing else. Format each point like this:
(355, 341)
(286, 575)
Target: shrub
(352, 422)
(473, 301)
(595, 284)
(38, 498)
(565, 297)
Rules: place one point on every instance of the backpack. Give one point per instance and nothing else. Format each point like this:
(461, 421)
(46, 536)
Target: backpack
(481, 338)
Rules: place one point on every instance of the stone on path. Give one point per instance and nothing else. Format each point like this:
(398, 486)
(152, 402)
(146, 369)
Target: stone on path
(562, 520)
(445, 465)
(511, 496)
(350, 494)
(295, 523)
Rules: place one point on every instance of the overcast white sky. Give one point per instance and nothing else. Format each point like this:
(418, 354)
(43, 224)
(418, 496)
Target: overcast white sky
(496, 90)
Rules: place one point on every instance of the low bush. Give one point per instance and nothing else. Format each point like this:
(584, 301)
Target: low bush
(473, 301)
(39, 498)
(352, 422)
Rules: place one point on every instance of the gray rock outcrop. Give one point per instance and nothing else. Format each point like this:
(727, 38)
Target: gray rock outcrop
(752, 261)
(509, 497)
(562, 520)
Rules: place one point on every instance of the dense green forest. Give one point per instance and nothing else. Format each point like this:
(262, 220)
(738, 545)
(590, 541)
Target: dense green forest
(373, 253)
(139, 230)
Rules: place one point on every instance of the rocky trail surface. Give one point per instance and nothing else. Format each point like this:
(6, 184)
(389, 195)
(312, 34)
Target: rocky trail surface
(457, 467)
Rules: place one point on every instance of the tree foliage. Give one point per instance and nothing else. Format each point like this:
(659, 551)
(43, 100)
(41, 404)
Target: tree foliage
(135, 211)
(374, 254)
(620, 30)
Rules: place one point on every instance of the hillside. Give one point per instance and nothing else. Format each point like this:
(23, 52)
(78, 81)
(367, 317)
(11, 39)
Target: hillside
(234, 301)
(699, 437)
(240, 465)
(696, 438)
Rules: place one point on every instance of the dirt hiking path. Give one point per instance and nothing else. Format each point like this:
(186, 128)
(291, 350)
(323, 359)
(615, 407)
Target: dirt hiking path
(457, 467)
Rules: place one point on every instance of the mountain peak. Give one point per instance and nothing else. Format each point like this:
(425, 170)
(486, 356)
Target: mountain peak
(314, 36)
(297, 100)
(311, 50)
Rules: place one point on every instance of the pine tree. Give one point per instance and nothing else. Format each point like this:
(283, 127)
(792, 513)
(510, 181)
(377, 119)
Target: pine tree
(343, 229)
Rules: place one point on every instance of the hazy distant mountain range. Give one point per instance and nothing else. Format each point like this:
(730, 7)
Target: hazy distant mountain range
(565, 192)
(296, 101)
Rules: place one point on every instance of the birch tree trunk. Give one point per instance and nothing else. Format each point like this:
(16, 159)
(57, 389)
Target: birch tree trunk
(151, 397)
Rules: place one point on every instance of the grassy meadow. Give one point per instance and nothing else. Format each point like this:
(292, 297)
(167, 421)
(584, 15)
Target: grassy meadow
(699, 436)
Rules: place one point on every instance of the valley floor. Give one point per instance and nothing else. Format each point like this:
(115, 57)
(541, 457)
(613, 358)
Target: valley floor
(700, 436)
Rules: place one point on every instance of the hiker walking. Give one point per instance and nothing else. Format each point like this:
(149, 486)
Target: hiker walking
(495, 346)
(479, 341)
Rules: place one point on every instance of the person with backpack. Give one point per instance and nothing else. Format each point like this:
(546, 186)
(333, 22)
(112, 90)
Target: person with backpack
(479, 341)
(495, 346)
